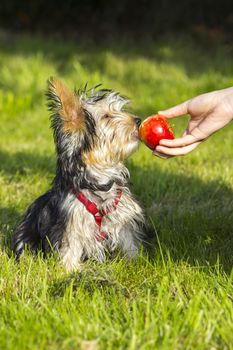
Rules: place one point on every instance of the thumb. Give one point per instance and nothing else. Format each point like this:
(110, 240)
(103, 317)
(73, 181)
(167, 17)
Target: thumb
(175, 111)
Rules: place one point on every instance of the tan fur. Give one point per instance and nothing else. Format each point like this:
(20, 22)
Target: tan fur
(95, 157)
(89, 158)
(71, 112)
(111, 151)
(92, 125)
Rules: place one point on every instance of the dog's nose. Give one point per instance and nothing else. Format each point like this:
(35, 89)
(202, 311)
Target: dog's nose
(138, 121)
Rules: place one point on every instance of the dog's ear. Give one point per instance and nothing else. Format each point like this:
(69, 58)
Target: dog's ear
(66, 105)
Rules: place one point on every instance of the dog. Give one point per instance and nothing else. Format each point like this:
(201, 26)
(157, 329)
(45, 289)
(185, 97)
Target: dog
(89, 209)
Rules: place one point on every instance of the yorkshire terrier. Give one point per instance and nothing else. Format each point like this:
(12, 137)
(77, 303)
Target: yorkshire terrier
(89, 210)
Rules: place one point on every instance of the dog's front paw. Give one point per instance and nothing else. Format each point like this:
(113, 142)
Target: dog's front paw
(71, 264)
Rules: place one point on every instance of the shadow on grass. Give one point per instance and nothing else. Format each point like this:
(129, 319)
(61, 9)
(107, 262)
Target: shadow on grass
(15, 165)
(8, 219)
(88, 279)
(195, 55)
(191, 219)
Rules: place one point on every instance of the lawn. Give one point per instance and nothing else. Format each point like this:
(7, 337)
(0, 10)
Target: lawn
(179, 294)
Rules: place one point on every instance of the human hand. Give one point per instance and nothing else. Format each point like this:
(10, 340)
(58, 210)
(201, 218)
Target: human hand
(209, 112)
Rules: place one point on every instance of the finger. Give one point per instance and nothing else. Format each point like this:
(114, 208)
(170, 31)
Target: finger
(197, 134)
(180, 142)
(176, 111)
(186, 140)
(179, 151)
(161, 155)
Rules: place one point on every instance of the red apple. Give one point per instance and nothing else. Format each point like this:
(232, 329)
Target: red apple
(153, 129)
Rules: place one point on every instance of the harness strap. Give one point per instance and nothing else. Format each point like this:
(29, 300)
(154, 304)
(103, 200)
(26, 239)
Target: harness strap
(97, 213)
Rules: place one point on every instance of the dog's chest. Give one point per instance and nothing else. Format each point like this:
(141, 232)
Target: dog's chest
(82, 224)
(80, 238)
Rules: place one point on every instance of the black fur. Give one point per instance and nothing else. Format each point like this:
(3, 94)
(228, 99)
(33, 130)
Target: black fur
(43, 223)
(45, 220)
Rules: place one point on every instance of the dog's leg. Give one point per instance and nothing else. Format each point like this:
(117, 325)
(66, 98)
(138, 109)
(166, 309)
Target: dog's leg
(129, 243)
(71, 256)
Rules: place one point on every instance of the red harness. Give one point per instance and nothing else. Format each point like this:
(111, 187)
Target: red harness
(97, 213)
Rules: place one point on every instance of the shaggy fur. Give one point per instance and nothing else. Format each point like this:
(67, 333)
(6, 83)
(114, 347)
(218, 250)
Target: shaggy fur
(93, 135)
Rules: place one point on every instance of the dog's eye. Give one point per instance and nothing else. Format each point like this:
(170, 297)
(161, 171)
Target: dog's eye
(106, 116)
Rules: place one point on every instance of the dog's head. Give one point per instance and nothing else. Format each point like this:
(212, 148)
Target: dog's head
(91, 127)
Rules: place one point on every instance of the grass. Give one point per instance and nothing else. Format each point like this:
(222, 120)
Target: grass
(179, 296)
